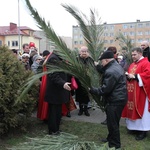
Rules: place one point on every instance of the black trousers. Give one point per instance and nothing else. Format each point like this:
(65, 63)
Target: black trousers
(54, 117)
(113, 113)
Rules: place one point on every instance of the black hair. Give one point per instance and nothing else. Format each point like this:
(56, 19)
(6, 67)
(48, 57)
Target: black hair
(138, 49)
(25, 44)
(15, 51)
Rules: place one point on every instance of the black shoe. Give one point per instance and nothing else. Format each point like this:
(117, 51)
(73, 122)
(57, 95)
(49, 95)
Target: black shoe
(104, 122)
(86, 113)
(141, 135)
(133, 132)
(45, 121)
(80, 113)
(104, 140)
(68, 114)
(89, 107)
(54, 133)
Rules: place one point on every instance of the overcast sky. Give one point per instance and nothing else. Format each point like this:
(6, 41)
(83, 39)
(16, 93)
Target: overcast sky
(110, 11)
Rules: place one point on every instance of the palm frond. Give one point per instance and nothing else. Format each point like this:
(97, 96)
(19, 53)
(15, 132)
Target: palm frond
(92, 29)
(65, 141)
(70, 63)
(125, 43)
(50, 33)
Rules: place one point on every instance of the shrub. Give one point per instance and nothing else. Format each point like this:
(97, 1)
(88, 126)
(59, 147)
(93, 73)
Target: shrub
(12, 77)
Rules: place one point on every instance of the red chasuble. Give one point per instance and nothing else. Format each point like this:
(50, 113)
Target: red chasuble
(137, 95)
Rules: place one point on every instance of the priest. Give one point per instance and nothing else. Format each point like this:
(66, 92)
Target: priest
(137, 109)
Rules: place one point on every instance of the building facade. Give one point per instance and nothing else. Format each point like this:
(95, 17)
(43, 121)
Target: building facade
(137, 31)
(14, 37)
(46, 44)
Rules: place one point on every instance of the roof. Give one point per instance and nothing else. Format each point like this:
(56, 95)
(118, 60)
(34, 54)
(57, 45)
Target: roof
(14, 30)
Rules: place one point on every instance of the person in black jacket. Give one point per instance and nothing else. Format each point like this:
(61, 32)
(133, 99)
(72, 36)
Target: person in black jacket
(99, 68)
(57, 92)
(114, 91)
(146, 49)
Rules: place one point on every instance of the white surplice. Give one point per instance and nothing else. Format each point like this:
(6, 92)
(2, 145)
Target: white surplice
(142, 124)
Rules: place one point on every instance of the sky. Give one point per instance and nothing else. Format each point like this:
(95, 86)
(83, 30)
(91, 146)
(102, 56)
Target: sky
(110, 11)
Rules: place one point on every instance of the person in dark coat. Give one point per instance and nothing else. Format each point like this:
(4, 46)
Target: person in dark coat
(146, 49)
(114, 91)
(57, 92)
(81, 95)
(99, 68)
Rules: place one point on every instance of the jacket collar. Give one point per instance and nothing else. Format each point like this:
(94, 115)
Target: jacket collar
(109, 64)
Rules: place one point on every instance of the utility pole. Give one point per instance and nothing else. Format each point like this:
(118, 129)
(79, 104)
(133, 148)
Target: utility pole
(19, 25)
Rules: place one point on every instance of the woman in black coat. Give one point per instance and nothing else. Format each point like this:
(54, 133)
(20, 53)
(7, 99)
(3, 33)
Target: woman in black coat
(57, 92)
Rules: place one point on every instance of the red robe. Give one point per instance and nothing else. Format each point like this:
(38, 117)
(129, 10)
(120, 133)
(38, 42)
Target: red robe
(42, 112)
(137, 95)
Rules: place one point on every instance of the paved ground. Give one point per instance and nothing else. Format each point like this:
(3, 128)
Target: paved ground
(96, 116)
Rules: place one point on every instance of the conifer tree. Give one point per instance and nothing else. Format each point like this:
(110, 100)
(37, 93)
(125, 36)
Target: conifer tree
(12, 76)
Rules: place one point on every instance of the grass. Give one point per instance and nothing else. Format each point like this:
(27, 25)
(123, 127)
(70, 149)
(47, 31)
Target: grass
(85, 131)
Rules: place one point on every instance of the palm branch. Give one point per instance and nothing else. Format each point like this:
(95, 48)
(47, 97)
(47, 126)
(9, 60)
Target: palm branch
(125, 43)
(92, 29)
(64, 141)
(71, 65)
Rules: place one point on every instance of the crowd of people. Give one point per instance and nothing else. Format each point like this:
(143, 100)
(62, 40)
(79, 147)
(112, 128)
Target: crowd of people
(125, 89)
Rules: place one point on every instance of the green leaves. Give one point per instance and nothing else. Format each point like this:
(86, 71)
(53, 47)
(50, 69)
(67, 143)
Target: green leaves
(12, 76)
(126, 44)
(65, 141)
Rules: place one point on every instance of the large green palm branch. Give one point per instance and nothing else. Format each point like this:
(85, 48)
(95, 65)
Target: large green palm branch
(71, 64)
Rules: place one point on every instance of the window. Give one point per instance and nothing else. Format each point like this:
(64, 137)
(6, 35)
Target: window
(105, 41)
(131, 33)
(111, 41)
(81, 42)
(75, 42)
(75, 37)
(8, 43)
(140, 25)
(125, 33)
(125, 26)
(140, 33)
(132, 41)
(105, 27)
(14, 43)
(147, 25)
(111, 34)
(105, 34)
(147, 39)
(146, 32)
(140, 40)
(75, 30)
(131, 25)
(112, 27)
(81, 37)
(0, 43)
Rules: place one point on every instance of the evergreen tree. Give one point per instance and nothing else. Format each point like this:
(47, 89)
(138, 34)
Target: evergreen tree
(13, 75)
